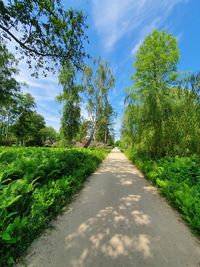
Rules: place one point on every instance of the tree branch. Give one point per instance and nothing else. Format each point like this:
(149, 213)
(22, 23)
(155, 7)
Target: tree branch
(26, 47)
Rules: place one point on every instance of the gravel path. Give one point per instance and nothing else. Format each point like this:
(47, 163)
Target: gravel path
(118, 220)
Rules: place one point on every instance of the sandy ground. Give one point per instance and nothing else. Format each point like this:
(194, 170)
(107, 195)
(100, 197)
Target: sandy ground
(118, 219)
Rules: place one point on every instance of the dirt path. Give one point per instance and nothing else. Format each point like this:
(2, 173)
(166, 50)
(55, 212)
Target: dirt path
(117, 220)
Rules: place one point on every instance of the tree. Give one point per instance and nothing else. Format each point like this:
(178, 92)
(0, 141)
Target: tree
(22, 126)
(105, 131)
(84, 129)
(33, 134)
(44, 31)
(48, 135)
(155, 73)
(70, 98)
(162, 115)
(192, 81)
(8, 84)
(9, 91)
(97, 82)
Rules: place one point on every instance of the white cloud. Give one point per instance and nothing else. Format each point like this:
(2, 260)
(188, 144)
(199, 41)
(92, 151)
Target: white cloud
(145, 31)
(136, 47)
(114, 19)
(44, 90)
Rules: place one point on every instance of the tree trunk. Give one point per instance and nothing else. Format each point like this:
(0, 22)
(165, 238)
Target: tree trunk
(87, 144)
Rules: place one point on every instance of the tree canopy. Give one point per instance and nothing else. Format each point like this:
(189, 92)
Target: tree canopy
(98, 81)
(162, 113)
(44, 31)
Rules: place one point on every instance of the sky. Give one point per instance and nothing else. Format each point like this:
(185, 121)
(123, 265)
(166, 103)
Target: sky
(116, 30)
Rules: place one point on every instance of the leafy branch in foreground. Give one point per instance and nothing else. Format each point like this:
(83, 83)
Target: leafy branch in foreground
(44, 31)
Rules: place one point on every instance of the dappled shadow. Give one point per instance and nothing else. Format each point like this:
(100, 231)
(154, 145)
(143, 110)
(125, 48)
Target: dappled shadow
(150, 189)
(106, 235)
(113, 222)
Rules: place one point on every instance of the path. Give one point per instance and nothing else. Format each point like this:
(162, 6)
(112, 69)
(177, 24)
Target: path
(118, 220)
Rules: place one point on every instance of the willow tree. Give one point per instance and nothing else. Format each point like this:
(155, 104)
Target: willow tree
(98, 80)
(155, 73)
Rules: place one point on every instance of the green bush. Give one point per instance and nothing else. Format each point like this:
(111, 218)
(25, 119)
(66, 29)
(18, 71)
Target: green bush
(178, 179)
(35, 184)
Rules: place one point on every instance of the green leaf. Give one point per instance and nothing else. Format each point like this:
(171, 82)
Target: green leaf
(6, 236)
(10, 260)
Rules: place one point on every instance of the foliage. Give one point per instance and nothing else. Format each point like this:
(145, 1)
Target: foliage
(97, 83)
(8, 84)
(9, 91)
(21, 128)
(178, 178)
(162, 114)
(161, 125)
(19, 123)
(84, 129)
(35, 184)
(48, 135)
(44, 31)
(70, 98)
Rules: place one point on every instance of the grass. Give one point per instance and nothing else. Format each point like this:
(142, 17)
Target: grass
(35, 185)
(178, 179)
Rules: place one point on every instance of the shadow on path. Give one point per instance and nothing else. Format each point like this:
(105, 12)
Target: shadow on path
(118, 219)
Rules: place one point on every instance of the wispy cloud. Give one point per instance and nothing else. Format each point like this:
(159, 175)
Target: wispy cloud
(114, 19)
(44, 90)
(145, 31)
(136, 47)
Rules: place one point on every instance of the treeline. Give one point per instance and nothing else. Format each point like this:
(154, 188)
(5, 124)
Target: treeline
(162, 113)
(19, 122)
(51, 38)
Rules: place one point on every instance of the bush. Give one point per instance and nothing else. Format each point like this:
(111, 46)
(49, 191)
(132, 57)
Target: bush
(178, 179)
(35, 184)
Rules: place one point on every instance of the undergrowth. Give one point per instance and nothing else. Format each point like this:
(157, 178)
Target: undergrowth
(35, 185)
(178, 179)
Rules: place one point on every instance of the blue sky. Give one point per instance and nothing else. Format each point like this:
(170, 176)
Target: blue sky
(116, 29)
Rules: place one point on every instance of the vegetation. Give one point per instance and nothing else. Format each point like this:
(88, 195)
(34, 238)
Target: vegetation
(35, 184)
(162, 115)
(98, 80)
(44, 31)
(178, 179)
(70, 98)
(160, 130)
(161, 125)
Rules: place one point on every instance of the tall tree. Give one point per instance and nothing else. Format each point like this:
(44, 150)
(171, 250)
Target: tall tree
(9, 90)
(162, 114)
(44, 31)
(70, 98)
(22, 126)
(98, 80)
(8, 68)
(33, 134)
(155, 73)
